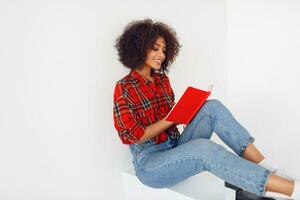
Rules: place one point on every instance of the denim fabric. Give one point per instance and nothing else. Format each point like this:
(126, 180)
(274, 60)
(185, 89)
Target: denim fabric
(174, 160)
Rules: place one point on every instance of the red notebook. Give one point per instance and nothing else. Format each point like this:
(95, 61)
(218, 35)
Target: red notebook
(188, 105)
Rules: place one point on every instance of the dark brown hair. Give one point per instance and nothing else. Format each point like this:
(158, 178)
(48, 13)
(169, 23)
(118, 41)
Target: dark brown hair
(139, 36)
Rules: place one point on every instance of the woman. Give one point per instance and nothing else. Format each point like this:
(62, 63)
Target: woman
(163, 157)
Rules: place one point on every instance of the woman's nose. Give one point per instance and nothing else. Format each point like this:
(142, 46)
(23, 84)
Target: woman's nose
(161, 52)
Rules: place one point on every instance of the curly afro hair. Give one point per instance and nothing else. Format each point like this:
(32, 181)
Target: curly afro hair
(139, 36)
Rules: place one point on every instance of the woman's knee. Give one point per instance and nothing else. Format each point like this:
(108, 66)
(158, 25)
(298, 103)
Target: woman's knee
(213, 104)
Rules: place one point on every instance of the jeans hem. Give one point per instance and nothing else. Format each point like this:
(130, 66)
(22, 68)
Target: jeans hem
(263, 182)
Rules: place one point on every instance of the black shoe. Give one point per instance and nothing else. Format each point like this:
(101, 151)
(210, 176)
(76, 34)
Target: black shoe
(241, 194)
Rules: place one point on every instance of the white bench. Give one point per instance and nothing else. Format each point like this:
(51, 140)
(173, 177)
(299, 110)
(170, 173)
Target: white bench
(204, 186)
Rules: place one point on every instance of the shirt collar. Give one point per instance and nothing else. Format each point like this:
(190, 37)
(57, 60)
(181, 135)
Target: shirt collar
(140, 79)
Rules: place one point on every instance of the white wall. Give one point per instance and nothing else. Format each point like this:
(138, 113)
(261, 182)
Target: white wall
(263, 81)
(58, 68)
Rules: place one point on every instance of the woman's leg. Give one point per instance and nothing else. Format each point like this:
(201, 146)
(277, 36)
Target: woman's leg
(167, 167)
(215, 117)
(214, 113)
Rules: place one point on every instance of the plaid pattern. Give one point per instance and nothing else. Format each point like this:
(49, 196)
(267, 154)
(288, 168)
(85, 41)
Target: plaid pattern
(139, 103)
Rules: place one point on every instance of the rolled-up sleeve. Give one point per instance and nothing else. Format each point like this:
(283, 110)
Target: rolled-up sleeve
(129, 129)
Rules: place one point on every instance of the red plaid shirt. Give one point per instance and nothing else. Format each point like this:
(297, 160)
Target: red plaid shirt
(139, 103)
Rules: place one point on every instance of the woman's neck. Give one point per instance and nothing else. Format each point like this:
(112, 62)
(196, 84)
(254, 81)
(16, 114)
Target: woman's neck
(145, 73)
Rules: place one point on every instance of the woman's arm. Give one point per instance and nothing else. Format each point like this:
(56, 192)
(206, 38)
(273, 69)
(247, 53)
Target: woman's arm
(155, 129)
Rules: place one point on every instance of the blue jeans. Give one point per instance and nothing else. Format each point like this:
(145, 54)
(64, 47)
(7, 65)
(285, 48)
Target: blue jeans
(165, 164)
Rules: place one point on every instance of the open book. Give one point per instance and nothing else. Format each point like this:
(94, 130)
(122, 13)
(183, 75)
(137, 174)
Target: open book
(188, 105)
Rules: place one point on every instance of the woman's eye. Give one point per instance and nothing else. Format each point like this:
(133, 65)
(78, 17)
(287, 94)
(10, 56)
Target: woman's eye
(156, 49)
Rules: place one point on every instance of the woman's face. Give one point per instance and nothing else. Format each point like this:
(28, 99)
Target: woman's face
(156, 54)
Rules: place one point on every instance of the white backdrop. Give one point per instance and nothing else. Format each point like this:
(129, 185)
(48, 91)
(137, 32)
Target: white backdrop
(58, 67)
